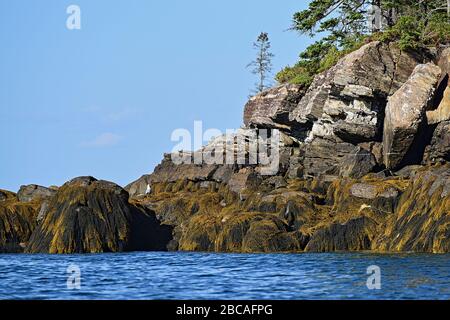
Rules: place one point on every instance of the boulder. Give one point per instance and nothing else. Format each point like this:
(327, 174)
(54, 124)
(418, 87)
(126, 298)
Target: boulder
(295, 170)
(405, 116)
(444, 62)
(357, 165)
(408, 172)
(275, 182)
(244, 179)
(42, 211)
(271, 108)
(439, 149)
(34, 192)
(90, 216)
(376, 148)
(324, 156)
(168, 171)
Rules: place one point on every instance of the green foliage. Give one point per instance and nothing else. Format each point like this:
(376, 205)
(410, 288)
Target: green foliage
(406, 32)
(317, 58)
(411, 33)
(295, 75)
(340, 19)
(344, 22)
(412, 24)
(438, 30)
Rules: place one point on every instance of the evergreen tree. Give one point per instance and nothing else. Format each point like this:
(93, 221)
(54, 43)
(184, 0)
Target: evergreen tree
(346, 24)
(262, 65)
(343, 20)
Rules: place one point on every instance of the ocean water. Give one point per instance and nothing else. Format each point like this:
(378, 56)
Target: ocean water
(223, 276)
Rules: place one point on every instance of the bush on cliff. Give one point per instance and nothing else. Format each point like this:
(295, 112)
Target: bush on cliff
(414, 34)
(411, 24)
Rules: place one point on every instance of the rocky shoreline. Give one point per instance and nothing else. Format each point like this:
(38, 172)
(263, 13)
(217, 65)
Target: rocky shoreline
(364, 165)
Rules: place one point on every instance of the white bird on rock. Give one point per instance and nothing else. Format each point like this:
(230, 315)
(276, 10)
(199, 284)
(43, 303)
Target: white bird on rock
(148, 190)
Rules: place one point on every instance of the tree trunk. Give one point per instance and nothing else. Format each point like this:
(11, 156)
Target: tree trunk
(448, 8)
(377, 16)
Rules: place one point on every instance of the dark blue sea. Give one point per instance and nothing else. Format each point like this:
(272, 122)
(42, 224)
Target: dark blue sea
(224, 276)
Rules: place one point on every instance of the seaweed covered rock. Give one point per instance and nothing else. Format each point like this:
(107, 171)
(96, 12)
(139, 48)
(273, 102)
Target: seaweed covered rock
(350, 198)
(422, 219)
(341, 181)
(91, 216)
(355, 235)
(17, 222)
(245, 232)
(359, 210)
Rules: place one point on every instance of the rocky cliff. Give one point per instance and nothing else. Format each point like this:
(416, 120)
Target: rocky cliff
(364, 164)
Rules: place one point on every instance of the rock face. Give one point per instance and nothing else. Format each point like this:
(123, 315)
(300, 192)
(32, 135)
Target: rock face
(351, 90)
(357, 165)
(90, 216)
(271, 108)
(34, 192)
(439, 149)
(345, 106)
(441, 104)
(405, 114)
(442, 113)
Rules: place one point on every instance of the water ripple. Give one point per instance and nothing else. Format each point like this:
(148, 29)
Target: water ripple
(225, 276)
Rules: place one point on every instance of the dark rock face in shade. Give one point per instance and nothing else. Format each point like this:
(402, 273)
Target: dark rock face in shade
(357, 165)
(439, 149)
(90, 216)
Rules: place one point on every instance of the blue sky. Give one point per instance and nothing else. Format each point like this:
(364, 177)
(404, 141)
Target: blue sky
(104, 100)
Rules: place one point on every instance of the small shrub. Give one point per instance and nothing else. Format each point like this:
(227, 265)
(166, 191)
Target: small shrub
(295, 75)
